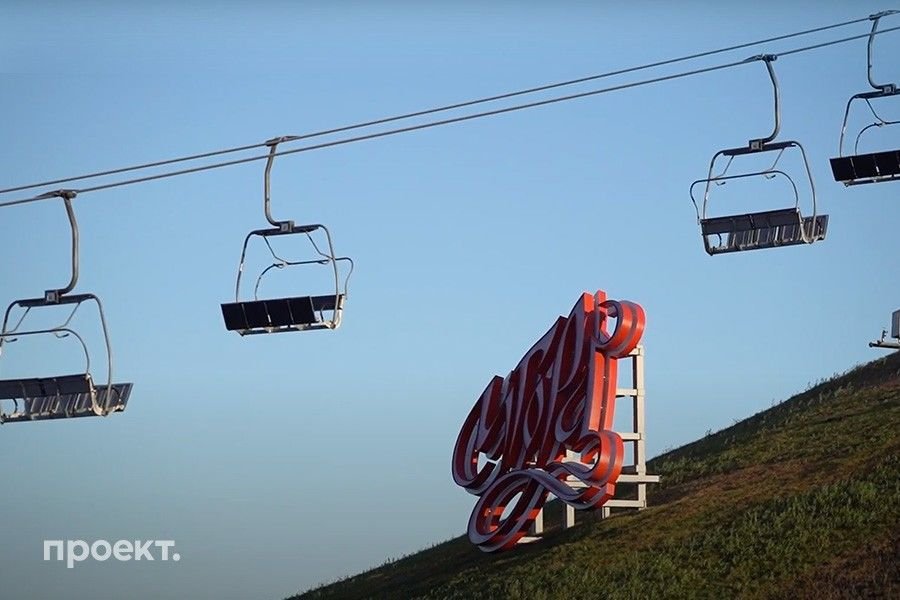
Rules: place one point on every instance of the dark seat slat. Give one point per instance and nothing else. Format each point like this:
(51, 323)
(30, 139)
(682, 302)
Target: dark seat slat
(820, 227)
(325, 302)
(256, 314)
(302, 310)
(233, 314)
(74, 384)
(864, 166)
(10, 389)
(842, 169)
(779, 218)
(279, 312)
(718, 225)
(888, 163)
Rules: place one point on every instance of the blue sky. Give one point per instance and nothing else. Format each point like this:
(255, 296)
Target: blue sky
(277, 462)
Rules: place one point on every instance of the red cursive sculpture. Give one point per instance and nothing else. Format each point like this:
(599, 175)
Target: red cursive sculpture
(560, 397)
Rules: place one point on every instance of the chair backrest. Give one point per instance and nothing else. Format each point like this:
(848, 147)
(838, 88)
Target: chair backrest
(866, 168)
(12, 389)
(750, 221)
(278, 312)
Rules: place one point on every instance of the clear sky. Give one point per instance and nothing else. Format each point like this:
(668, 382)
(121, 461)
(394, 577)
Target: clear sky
(278, 462)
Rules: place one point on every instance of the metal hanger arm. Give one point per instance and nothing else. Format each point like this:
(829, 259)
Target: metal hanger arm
(53, 296)
(885, 87)
(757, 144)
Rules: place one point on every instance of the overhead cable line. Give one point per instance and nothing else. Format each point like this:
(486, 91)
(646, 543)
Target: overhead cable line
(442, 122)
(430, 111)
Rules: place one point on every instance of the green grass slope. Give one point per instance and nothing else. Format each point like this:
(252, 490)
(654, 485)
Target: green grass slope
(801, 500)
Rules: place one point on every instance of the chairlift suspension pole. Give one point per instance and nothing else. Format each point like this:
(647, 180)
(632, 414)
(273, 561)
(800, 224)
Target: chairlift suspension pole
(768, 59)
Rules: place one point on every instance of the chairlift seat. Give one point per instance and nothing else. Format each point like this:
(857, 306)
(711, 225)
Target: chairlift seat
(866, 168)
(767, 229)
(62, 396)
(45, 407)
(297, 313)
(279, 314)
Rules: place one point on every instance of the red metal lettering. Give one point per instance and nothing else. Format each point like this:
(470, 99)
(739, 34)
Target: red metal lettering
(511, 451)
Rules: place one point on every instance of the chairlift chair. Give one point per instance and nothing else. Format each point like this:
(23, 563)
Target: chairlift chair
(60, 396)
(295, 313)
(871, 167)
(765, 229)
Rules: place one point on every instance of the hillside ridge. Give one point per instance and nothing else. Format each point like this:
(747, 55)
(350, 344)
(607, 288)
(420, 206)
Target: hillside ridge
(802, 498)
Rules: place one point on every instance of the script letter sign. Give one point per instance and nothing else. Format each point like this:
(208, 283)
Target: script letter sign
(511, 451)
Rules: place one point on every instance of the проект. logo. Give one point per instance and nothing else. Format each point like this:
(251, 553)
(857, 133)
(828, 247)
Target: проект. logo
(73, 551)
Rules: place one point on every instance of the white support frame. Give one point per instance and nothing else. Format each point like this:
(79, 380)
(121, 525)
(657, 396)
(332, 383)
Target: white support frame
(636, 472)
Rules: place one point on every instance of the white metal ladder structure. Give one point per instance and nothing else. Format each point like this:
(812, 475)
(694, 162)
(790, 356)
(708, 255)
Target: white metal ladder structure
(634, 473)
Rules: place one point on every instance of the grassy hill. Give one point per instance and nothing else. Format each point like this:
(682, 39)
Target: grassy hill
(801, 500)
